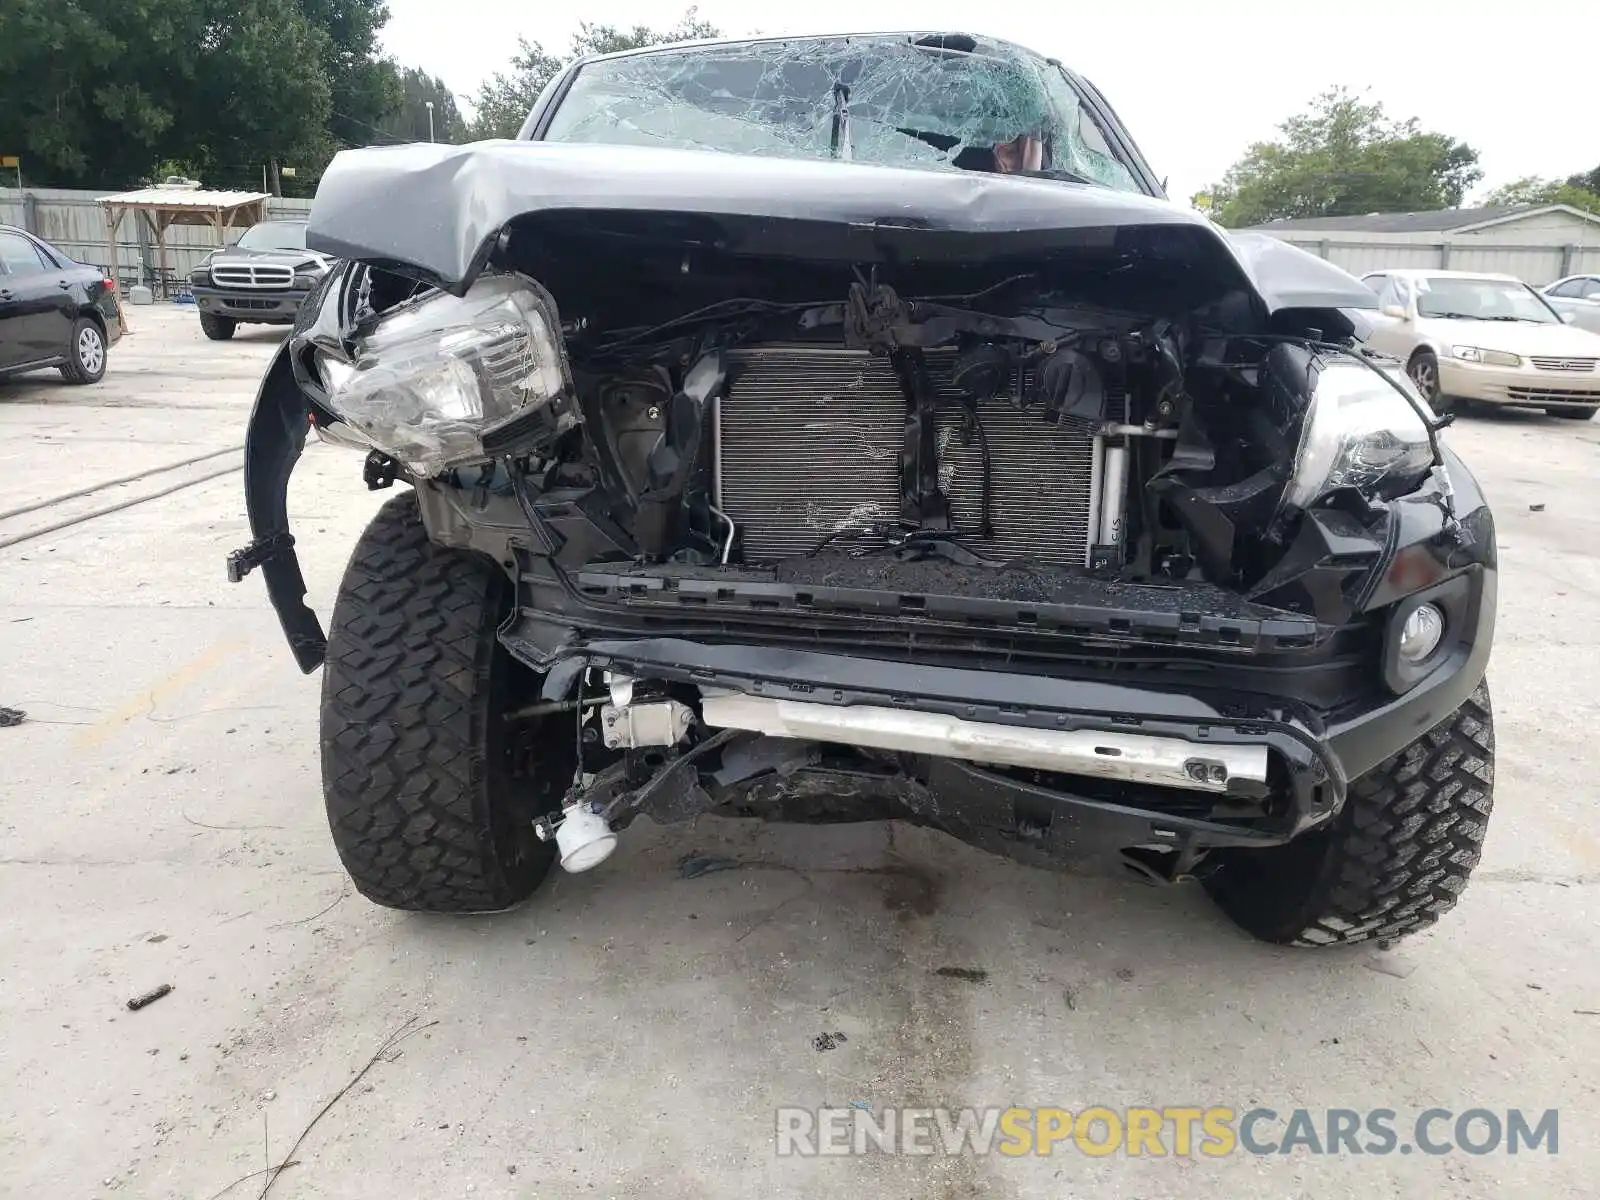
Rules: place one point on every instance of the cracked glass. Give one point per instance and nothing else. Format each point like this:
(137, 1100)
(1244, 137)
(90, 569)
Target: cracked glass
(940, 103)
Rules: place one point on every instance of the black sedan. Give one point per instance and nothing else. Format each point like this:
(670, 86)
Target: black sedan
(54, 312)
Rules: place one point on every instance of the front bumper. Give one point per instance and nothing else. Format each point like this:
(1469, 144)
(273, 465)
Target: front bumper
(1255, 683)
(1526, 384)
(263, 307)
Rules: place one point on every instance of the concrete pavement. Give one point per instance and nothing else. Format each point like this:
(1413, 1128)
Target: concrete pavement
(629, 1032)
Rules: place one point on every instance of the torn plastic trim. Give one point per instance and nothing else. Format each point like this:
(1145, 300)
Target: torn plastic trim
(273, 442)
(1114, 613)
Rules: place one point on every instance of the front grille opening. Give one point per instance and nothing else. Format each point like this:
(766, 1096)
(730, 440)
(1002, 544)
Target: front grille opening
(808, 451)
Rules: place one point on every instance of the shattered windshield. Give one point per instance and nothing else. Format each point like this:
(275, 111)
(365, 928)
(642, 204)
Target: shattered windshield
(946, 103)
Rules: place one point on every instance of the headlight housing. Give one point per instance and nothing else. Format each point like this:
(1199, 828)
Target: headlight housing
(1489, 358)
(438, 375)
(1358, 431)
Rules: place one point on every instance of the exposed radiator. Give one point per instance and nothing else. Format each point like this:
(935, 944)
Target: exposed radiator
(809, 443)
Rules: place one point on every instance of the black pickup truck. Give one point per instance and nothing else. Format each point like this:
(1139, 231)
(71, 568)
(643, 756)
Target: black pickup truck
(261, 279)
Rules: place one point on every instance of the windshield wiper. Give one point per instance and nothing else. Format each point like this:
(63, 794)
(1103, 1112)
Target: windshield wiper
(1061, 175)
(1508, 317)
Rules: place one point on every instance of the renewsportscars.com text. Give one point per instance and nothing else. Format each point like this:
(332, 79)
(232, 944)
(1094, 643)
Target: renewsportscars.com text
(1182, 1131)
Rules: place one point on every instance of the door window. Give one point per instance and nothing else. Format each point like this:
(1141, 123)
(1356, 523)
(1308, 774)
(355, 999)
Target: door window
(1396, 292)
(18, 256)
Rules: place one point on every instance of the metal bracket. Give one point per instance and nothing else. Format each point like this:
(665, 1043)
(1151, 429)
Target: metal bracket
(651, 723)
(242, 562)
(379, 471)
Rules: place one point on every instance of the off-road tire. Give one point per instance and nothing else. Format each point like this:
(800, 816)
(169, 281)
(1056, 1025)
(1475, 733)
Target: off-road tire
(218, 329)
(417, 769)
(81, 367)
(1574, 414)
(1397, 856)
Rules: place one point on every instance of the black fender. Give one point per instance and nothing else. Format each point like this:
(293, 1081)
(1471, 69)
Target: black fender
(273, 442)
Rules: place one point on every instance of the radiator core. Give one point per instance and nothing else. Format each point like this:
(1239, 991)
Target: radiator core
(808, 446)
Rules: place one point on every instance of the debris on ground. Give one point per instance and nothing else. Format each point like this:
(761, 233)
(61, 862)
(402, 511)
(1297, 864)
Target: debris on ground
(692, 866)
(12, 716)
(965, 974)
(149, 997)
(1535, 508)
(384, 1053)
(828, 1041)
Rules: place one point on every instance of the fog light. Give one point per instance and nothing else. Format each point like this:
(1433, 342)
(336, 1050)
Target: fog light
(1420, 635)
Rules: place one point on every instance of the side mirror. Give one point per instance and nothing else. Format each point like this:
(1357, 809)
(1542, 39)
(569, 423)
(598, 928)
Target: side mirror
(1396, 311)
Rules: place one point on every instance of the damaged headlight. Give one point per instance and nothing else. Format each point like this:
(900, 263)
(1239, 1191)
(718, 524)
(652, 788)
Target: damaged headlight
(1358, 431)
(439, 377)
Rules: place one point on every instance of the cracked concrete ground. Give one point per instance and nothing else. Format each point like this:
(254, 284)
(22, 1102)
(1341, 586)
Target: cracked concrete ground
(630, 1032)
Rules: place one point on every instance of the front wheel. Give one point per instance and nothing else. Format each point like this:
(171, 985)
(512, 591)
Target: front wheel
(86, 353)
(1584, 413)
(218, 329)
(431, 791)
(1393, 861)
(1424, 371)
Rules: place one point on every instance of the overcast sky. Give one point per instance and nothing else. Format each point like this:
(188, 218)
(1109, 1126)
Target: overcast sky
(1195, 82)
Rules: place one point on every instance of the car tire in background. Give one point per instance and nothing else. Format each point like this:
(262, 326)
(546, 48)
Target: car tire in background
(1574, 414)
(431, 791)
(1424, 371)
(1394, 860)
(218, 329)
(86, 353)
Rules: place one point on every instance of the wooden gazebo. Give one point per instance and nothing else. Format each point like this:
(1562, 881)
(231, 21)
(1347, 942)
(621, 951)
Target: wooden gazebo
(163, 207)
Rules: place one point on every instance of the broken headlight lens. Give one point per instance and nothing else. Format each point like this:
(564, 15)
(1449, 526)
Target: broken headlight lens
(1358, 432)
(436, 374)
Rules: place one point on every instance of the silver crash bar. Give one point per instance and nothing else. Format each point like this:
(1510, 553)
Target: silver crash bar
(1134, 757)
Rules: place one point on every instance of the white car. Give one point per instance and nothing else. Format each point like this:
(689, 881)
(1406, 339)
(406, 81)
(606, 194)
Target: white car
(1485, 339)
(1578, 295)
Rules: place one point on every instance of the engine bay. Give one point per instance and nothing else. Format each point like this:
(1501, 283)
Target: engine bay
(1096, 415)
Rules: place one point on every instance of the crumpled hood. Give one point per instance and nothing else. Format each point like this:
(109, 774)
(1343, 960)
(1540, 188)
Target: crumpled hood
(433, 211)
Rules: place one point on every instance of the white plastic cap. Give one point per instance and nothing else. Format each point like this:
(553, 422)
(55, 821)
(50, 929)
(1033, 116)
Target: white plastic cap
(584, 839)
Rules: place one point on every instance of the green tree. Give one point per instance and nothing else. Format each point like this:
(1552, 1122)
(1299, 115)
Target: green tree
(78, 100)
(260, 94)
(506, 99)
(409, 122)
(364, 87)
(98, 94)
(1580, 191)
(1341, 157)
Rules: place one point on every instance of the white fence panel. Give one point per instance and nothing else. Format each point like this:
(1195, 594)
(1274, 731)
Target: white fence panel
(1535, 264)
(72, 221)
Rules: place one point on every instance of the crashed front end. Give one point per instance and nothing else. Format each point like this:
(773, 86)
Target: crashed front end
(1045, 514)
